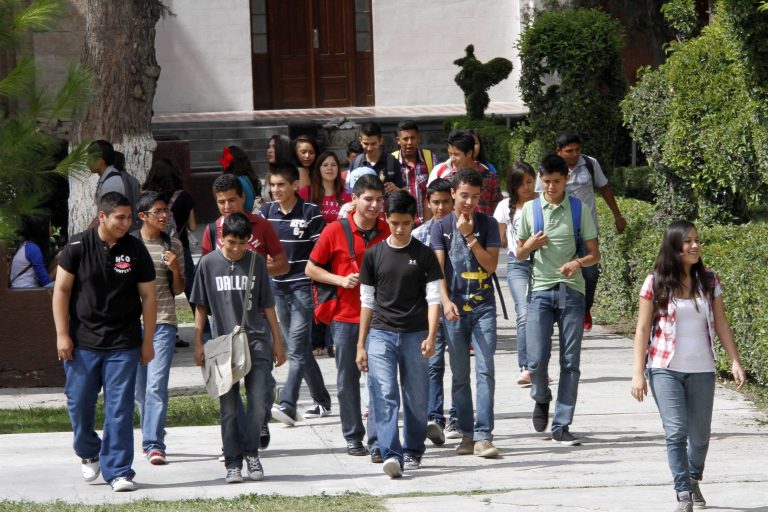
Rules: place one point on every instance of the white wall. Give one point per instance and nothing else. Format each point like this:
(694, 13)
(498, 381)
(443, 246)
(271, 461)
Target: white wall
(416, 41)
(205, 55)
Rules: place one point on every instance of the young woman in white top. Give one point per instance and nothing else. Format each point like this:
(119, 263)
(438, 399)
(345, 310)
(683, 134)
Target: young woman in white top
(681, 309)
(521, 180)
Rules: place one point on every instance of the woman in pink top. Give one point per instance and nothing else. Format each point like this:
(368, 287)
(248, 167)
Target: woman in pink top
(681, 310)
(326, 189)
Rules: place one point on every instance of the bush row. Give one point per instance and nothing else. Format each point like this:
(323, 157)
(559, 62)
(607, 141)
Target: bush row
(736, 253)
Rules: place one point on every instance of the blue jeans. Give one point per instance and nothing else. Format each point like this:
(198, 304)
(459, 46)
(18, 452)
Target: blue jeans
(389, 351)
(685, 404)
(152, 389)
(436, 372)
(295, 312)
(87, 373)
(242, 438)
(518, 276)
(543, 311)
(348, 384)
(477, 327)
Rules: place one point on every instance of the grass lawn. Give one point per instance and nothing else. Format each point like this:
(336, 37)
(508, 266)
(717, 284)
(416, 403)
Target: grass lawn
(257, 503)
(182, 411)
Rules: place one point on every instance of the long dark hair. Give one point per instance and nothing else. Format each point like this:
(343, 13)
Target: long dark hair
(309, 140)
(669, 272)
(317, 190)
(241, 166)
(515, 176)
(283, 149)
(164, 177)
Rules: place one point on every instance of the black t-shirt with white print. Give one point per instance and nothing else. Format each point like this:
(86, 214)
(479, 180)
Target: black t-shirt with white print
(400, 276)
(105, 305)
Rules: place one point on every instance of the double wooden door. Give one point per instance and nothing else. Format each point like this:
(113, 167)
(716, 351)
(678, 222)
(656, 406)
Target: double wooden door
(320, 54)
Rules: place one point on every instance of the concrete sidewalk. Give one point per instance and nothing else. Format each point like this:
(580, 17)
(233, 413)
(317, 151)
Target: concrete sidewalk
(620, 466)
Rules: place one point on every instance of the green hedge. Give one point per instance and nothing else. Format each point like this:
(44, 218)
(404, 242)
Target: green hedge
(736, 253)
(496, 140)
(634, 182)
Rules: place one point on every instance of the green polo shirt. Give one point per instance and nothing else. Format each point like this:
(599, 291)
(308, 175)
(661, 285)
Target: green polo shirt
(561, 245)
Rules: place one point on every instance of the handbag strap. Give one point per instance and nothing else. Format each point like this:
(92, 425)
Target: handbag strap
(247, 291)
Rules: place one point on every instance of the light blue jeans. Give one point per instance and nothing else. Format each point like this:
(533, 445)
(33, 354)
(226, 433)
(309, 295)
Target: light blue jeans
(295, 312)
(348, 384)
(87, 373)
(518, 276)
(152, 389)
(477, 327)
(544, 310)
(685, 404)
(389, 351)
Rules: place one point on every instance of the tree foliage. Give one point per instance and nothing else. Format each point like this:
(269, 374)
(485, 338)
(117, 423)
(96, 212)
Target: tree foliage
(27, 148)
(700, 124)
(476, 78)
(572, 78)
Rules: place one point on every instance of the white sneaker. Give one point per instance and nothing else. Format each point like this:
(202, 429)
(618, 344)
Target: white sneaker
(122, 484)
(90, 469)
(393, 468)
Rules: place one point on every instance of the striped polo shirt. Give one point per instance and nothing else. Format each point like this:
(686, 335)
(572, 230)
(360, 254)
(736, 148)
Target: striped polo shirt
(297, 230)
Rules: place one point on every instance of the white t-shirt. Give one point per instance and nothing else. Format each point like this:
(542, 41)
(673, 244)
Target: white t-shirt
(502, 217)
(693, 351)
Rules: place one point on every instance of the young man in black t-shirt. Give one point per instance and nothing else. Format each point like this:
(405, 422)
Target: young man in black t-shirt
(400, 296)
(104, 284)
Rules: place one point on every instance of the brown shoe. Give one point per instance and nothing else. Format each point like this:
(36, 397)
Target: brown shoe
(486, 449)
(466, 447)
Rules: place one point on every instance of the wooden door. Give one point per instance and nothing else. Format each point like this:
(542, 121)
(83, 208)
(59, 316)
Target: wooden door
(313, 59)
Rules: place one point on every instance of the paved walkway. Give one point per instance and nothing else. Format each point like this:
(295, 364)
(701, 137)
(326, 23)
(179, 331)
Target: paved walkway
(621, 465)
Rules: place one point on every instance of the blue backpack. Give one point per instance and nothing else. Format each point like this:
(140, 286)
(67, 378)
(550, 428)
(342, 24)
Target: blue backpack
(538, 219)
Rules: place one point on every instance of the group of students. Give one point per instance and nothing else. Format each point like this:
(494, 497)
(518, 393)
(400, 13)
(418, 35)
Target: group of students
(409, 284)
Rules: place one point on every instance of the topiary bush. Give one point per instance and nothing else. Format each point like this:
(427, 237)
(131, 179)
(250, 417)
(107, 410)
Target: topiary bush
(476, 78)
(572, 78)
(736, 253)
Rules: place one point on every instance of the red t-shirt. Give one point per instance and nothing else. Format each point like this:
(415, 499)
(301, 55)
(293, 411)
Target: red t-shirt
(330, 206)
(263, 239)
(332, 247)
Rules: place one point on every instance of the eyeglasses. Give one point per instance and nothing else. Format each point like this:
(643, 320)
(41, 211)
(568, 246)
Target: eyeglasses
(159, 212)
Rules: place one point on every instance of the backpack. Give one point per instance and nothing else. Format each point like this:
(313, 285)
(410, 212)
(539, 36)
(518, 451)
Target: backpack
(132, 189)
(538, 219)
(391, 171)
(326, 296)
(170, 226)
(590, 168)
(428, 161)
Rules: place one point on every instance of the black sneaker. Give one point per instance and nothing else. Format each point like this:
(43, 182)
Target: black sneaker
(283, 414)
(435, 433)
(376, 456)
(331, 353)
(411, 461)
(255, 470)
(684, 502)
(451, 430)
(540, 416)
(234, 476)
(564, 437)
(696, 497)
(356, 449)
(317, 411)
(264, 437)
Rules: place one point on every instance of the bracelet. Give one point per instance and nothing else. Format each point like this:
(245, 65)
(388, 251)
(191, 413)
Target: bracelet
(580, 264)
(470, 244)
(467, 235)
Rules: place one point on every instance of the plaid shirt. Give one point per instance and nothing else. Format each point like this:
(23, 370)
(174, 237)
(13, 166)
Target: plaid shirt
(416, 179)
(490, 193)
(661, 346)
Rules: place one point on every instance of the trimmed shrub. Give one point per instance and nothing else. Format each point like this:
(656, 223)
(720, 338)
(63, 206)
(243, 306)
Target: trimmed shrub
(497, 140)
(632, 182)
(736, 253)
(572, 78)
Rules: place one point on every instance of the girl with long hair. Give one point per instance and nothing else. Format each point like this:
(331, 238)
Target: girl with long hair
(521, 180)
(327, 188)
(279, 150)
(681, 309)
(31, 263)
(234, 160)
(305, 151)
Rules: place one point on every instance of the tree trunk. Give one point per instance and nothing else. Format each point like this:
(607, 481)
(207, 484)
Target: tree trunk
(119, 50)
